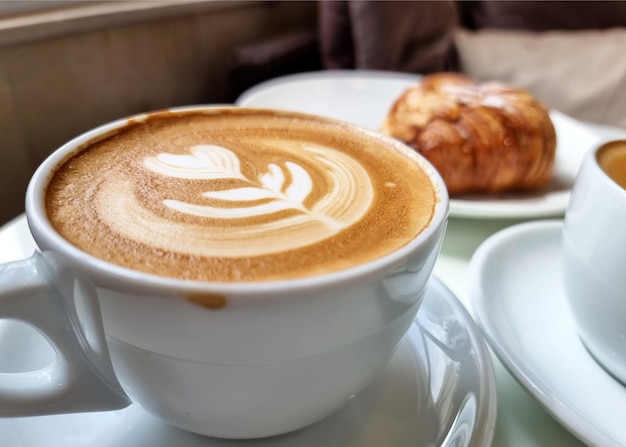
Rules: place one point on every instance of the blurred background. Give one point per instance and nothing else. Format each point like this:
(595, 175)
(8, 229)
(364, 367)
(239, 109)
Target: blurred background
(69, 66)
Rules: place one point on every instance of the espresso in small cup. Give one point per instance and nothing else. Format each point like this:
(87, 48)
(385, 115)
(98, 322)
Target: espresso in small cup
(239, 196)
(594, 255)
(242, 272)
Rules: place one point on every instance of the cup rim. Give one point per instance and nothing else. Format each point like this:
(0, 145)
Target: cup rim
(109, 274)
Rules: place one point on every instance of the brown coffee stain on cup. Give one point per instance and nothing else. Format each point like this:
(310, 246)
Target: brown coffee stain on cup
(211, 301)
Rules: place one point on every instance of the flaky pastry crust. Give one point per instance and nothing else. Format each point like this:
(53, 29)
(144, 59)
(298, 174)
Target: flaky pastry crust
(482, 138)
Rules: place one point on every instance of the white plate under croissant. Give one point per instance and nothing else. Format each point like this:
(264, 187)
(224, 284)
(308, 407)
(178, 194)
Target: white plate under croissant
(364, 97)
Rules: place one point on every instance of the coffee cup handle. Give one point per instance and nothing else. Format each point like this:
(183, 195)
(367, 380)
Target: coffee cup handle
(63, 305)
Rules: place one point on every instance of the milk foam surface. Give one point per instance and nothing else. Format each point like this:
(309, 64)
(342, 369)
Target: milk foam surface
(239, 196)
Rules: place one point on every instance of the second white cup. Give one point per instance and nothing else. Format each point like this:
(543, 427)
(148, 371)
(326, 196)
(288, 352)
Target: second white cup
(594, 255)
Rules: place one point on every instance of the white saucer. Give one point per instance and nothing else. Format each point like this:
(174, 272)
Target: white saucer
(364, 97)
(516, 291)
(456, 407)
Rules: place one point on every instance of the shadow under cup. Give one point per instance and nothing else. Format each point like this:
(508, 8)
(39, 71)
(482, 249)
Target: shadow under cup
(279, 355)
(594, 256)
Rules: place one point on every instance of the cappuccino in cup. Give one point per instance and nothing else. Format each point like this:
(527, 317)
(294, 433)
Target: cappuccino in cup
(237, 272)
(239, 196)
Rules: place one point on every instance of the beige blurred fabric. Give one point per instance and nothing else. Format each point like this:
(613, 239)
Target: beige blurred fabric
(580, 73)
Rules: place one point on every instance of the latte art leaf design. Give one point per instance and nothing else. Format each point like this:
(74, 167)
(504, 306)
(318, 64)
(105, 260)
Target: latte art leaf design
(283, 185)
(214, 162)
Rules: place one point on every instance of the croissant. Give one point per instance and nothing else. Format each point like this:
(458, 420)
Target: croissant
(482, 138)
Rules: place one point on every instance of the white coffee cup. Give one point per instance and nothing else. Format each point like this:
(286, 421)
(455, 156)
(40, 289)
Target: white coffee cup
(280, 355)
(594, 258)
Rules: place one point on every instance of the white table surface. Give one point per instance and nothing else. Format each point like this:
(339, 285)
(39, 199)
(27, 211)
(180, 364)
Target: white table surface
(521, 421)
